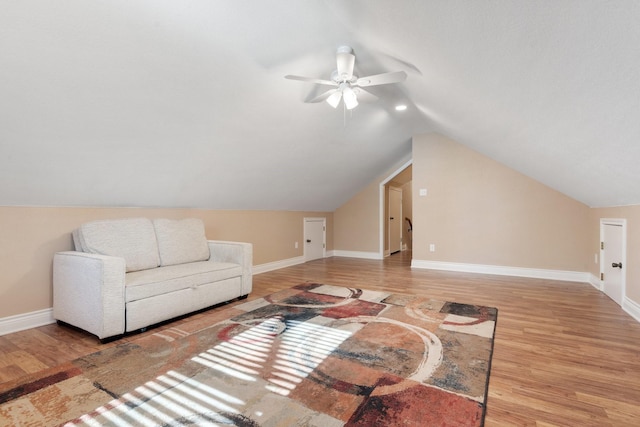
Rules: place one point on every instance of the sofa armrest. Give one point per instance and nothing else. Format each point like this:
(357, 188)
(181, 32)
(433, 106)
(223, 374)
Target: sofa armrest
(236, 252)
(88, 292)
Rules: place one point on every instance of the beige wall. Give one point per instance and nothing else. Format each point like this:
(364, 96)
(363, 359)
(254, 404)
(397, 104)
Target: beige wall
(478, 211)
(31, 235)
(632, 269)
(357, 222)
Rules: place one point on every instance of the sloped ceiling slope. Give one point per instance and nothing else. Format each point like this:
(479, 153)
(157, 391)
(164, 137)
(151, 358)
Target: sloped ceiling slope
(183, 103)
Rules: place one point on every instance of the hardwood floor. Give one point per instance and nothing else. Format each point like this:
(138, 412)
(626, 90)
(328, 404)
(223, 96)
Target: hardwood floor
(565, 354)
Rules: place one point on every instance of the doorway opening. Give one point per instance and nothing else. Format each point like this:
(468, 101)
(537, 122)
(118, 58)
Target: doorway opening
(396, 203)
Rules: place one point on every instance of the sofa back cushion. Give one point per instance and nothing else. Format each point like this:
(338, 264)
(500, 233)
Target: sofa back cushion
(181, 241)
(133, 239)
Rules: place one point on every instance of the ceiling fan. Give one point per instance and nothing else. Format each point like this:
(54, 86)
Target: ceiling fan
(349, 87)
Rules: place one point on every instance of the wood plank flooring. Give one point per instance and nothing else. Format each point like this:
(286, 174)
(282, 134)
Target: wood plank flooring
(565, 354)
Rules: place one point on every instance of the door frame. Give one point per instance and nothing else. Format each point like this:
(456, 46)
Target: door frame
(621, 222)
(304, 235)
(401, 223)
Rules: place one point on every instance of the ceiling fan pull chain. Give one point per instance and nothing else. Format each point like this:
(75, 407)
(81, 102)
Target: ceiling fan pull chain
(344, 115)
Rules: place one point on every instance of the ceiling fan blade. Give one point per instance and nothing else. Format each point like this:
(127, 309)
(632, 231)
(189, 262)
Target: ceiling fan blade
(345, 60)
(323, 96)
(382, 79)
(311, 80)
(364, 95)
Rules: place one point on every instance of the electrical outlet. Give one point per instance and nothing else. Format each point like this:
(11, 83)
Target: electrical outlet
(432, 247)
(296, 245)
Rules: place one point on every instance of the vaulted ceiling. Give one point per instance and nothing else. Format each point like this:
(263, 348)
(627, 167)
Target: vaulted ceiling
(183, 103)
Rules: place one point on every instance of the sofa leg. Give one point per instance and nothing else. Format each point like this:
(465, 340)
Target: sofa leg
(241, 297)
(110, 339)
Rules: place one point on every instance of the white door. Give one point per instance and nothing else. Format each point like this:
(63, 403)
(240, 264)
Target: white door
(395, 219)
(612, 252)
(314, 238)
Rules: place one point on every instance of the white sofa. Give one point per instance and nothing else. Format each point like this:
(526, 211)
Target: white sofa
(128, 274)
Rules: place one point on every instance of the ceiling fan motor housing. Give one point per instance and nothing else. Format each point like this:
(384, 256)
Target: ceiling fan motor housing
(345, 49)
(336, 78)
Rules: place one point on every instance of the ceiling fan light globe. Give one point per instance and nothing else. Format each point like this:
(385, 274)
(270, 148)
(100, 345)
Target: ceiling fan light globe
(334, 99)
(350, 98)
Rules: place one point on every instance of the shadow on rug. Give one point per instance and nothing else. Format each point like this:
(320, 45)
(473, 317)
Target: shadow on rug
(312, 355)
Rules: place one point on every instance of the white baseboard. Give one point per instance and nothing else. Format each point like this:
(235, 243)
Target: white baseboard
(270, 266)
(20, 322)
(357, 254)
(595, 282)
(34, 319)
(631, 307)
(569, 276)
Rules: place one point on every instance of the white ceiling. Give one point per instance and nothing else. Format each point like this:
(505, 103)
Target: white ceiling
(183, 103)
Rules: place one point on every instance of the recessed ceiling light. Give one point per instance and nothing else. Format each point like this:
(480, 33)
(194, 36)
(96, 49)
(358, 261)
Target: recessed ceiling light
(401, 107)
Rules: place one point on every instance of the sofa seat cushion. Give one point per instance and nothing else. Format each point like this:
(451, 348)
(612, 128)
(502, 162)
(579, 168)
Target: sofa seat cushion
(162, 280)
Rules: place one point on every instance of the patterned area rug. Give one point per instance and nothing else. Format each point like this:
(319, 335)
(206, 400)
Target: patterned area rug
(312, 355)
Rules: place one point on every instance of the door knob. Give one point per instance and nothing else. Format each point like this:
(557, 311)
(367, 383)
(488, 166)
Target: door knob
(308, 241)
(616, 265)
